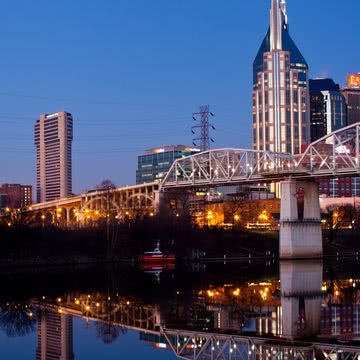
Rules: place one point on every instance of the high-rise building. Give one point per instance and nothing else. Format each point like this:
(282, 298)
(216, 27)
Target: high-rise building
(155, 163)
(280, 92)
(352, 97)
(327, 108)
(53, 140)
(15, 195)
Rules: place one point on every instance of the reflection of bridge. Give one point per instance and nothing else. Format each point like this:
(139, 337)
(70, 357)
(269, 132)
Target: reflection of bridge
(300, 317)
(192, 345)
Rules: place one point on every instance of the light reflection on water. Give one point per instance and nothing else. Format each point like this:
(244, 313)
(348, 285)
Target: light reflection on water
(300, 309)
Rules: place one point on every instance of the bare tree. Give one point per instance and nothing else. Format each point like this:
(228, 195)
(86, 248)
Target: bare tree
(106, 184)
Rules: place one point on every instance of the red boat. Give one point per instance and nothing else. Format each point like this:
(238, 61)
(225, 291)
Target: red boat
(156, 256)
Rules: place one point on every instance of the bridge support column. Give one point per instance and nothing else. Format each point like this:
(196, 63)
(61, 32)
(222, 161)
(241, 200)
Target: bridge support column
(67, 217)
(159, 201)
(300, 238)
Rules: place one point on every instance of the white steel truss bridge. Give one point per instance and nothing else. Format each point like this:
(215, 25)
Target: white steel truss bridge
(336, 154)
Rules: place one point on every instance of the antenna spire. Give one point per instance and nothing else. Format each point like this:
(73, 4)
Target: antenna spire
(278, 23)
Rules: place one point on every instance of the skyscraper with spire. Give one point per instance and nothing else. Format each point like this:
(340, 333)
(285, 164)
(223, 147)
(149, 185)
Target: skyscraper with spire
(281, 120)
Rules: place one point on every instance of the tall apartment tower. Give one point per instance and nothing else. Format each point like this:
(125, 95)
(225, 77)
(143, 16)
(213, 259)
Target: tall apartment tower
(53, 140)
(280, 93)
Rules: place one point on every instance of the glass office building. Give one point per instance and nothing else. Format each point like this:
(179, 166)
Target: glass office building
(156, 162)
(327, 108)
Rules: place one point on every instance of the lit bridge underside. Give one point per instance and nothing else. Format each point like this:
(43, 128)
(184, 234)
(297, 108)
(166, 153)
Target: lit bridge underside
(336, 154)
(121, 202)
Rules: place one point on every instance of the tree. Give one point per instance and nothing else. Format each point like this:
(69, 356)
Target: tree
(337, 217)
(106, 184)
(16, 320)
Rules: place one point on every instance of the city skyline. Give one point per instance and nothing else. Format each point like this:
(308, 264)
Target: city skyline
(125, 131)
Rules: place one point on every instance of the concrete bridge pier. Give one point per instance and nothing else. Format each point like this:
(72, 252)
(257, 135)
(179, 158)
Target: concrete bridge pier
(300, 238)
(159, 201)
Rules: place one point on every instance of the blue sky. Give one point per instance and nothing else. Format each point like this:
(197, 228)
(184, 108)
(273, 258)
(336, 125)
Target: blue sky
(132, 71)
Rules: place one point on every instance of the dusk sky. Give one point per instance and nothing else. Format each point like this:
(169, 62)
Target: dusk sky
(132, 72)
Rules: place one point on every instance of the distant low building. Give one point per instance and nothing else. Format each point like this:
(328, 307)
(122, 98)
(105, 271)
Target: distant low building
(352, 97)
(15, 196)
(156, 162)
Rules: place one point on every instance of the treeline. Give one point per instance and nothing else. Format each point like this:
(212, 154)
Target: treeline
(115, 241)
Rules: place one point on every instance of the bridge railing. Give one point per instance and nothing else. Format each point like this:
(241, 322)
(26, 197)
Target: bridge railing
(333, 154)
(221, 166)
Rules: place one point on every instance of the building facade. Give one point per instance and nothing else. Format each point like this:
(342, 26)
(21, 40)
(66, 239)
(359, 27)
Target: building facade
(53, 142)
(327, 108)
(352, 97)
(155, 163)
(15, 196)
(332, 108)
(280, 89)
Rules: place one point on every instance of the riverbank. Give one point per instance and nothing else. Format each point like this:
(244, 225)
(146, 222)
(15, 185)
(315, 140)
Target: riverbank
(44, 246)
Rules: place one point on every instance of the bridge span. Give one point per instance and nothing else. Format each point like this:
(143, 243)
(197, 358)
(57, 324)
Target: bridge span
(334, 155)
(121, 202)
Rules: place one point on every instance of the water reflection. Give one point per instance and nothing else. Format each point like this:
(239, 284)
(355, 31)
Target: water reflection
(257, 313)
(55, 336)
(301, 296)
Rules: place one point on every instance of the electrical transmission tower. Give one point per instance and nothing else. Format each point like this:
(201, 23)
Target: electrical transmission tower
(203, 128)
